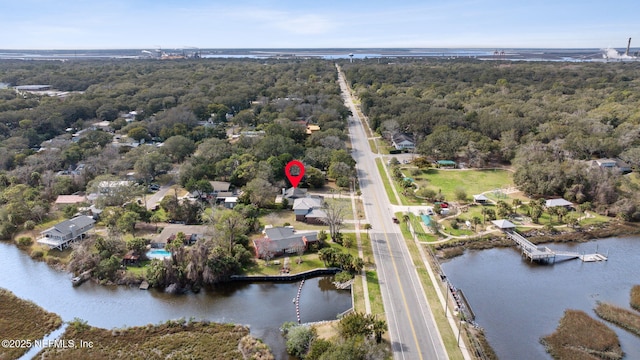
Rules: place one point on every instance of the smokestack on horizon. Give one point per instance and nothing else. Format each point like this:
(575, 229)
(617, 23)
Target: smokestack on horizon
(628, 46)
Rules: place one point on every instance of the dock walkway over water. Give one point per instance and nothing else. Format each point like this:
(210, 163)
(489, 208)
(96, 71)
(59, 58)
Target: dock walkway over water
(534, 252)
(545, 254)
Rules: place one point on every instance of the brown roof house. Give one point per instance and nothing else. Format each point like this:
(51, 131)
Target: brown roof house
(283, 240)
(65, 200)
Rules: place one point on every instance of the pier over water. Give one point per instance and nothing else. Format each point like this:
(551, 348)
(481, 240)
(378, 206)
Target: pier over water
(537, 253)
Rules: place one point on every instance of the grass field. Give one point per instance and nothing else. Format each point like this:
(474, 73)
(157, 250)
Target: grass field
(472, 181)
(280, 217)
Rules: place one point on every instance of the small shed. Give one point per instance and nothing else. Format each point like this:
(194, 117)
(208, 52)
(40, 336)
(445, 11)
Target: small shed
(130, 259)
(446, 163)
(503, 224)
(480, 199)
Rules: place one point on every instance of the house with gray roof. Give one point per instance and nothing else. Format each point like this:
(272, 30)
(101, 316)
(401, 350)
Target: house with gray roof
(283, 240)
(403, 141)
(293, 193)
(62, 234)
(308, 209)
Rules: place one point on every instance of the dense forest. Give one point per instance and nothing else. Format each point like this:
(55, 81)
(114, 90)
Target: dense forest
(548, 120)
(190, 107)
(194, 121)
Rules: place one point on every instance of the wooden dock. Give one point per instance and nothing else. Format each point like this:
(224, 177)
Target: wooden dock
(545, 254)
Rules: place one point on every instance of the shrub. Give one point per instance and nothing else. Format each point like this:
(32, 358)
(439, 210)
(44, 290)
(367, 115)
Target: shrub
(299, 339)
(37, 254)
(29, 225)
(342, 181)
(24, 241)
(79, 325)
(343, 276)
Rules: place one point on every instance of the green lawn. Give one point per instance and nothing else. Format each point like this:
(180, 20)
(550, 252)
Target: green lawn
(281, 217)
(372, 146)
(385, 181)
(462, 230)
(472, 181)
(418, 228)
(345, 203)
(375, 297)
(139, 270)
(310, 261)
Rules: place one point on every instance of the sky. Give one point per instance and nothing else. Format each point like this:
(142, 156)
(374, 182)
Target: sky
(178, 24)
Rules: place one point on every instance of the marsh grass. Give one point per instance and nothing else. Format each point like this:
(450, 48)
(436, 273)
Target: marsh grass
(173, 339)
(579, 336)
(13, 313)
(635, 297)
(626, 319)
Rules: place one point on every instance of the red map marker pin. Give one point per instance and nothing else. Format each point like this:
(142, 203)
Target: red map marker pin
(296, 176)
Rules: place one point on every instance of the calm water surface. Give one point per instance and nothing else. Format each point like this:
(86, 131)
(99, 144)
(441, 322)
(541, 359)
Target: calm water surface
(262, 306)
(517, 302)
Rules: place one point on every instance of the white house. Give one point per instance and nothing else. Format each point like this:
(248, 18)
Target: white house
(403, 141)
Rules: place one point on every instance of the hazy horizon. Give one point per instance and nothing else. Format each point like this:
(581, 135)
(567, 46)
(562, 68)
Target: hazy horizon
(287, 24)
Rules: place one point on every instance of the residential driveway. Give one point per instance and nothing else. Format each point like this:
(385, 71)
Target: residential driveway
(154, 199)
(403, 158)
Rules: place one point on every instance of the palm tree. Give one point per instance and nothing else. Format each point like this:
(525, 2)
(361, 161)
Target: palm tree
(552, 211)
(562, 212)
(516, 203)
(484, 212)
(536, 212)
(379, 327)
(476, 221)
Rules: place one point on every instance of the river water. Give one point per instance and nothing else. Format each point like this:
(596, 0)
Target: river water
(518, 302)
(262, 306)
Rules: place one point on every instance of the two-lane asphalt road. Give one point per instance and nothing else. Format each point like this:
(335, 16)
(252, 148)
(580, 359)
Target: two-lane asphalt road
(412, 328)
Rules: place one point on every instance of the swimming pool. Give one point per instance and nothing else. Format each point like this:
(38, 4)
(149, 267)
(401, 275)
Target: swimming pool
(158, 254)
